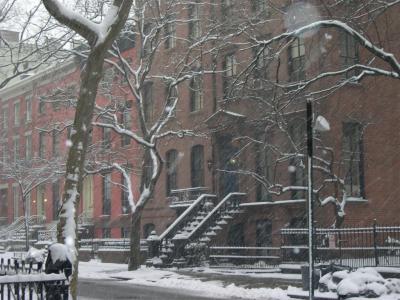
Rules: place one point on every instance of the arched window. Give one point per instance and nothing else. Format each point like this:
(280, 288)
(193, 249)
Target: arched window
(147, 229)
(197, 166)
(171, 168)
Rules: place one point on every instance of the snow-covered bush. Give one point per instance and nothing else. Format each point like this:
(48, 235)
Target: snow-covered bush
(36, 255)
(366, 282)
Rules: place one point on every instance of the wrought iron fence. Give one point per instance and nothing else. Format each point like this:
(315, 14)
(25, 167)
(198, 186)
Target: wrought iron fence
(354, 247)
(22, 280)
(245, 257)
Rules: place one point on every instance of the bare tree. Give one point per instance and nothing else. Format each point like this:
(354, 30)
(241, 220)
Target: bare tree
(280, 97)
(28, 173)
(156, 27)
(99, 36)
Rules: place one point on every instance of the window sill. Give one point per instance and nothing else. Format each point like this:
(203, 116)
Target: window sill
(104, 216)
(356, 200)
(196, 112)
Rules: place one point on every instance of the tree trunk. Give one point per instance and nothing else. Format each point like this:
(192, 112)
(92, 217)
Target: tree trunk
(26, 223)
(134, 258)
(67, 231)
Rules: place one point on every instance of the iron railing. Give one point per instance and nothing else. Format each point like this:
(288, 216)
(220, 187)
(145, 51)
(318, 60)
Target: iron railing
(185, 197)
(353, 247)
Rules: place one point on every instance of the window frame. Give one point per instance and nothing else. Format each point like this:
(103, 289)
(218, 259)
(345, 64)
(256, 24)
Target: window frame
(296, 60)
(197, 176)
(171, 168)
(353, 159)
(106, 194)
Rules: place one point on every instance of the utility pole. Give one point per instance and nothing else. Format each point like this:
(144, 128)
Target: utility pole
(311, 275)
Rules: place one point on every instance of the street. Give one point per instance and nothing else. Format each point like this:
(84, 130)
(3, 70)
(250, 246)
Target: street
(89, 289)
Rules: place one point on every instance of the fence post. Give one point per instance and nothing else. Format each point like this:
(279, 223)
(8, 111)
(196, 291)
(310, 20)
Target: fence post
(375, 244)
(340, 246)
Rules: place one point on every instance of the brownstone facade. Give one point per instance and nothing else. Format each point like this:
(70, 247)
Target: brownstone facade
(235, 125)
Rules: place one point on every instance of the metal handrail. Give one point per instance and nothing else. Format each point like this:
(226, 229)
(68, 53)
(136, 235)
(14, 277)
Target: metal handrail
(213, 213)
(19, 225)
(172, 228)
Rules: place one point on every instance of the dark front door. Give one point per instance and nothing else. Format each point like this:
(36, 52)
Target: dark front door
(228, 164)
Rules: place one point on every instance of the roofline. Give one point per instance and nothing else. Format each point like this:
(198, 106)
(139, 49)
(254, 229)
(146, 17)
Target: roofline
(45, 76)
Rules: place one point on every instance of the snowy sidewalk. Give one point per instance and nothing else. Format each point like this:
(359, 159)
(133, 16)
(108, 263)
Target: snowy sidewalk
(208, 287)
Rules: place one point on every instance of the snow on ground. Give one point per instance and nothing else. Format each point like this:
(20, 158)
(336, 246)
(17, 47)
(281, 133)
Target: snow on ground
(97, 270)
(170, 279)
(255, 273)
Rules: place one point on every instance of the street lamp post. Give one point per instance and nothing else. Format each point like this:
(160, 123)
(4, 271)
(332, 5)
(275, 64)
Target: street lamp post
(311, 275)
(321, 125)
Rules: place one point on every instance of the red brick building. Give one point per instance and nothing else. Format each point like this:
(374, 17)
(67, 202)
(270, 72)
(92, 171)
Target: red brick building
(253, 137)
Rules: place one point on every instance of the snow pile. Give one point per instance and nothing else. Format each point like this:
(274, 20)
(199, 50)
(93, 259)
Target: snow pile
(59, 252)
(36, 255)
(366, 282)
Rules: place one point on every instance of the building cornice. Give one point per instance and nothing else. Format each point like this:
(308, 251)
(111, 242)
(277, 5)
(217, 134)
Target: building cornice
(27, 85)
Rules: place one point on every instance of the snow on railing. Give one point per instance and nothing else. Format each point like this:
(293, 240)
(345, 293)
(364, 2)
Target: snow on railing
(195, 206)
(108, 244)
(185, 197)
(17, 228)
(230, 200)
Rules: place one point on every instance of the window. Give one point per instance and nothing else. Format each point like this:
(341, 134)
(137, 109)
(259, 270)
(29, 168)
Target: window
(171, 169)
(4, 153)
(106, 137)
(297, 168)
(227, 10)
(124, 196)
(16, 113)
(353, 159)
(40, 196)
(28, 146)
(259, 7)
(147, 170)
(55, 192)
(126, 40)
(5, 117)
(107, 194)
(106, 233)
(297, 60)
(124, 232)
(170, 34)
(126, 122)
(148, 47)
(42, 144)
(28, 203)
(196, 95)
(194, 21)
(42, 105)
(56, 143)
(263, 235)
(263, 168)
(230, 71)
(172, 95)
(28, 112)
(16, 148)
(16, 201)
(148, 104)
(147, 229)
(261, 56)
(197, 166)
(3, 206)
(349, 53)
